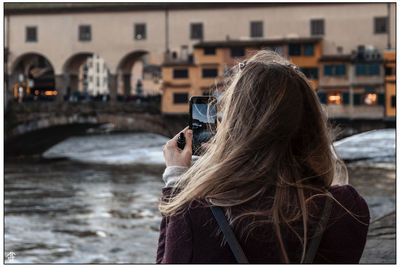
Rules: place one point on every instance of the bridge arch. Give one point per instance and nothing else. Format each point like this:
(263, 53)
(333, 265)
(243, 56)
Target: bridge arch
(125, 70)
(32, 78)
(86, 76)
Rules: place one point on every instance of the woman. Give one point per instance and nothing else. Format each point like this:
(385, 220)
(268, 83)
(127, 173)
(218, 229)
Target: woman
(271, 166)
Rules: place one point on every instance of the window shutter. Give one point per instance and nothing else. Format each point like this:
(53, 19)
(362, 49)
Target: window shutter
(346, 98)
(357, 99)
(328, 70)
(381, 99)
(360, 69)
(322, 97)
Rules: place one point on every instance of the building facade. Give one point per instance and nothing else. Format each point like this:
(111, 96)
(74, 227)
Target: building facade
(94, 77)
(389, 57)
(349, 86)
(212, 61)
(123, 34)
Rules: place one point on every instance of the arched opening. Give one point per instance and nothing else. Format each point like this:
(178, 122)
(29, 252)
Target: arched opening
(86, 78)
(32, 79)
(138, 79)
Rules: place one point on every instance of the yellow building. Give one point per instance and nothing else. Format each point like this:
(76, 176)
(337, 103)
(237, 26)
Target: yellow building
(390, 84)
(211, 61)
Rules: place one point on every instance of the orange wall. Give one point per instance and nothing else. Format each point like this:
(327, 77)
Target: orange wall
(390, 91)
(200, 58)
(390, 83)
(308, 61)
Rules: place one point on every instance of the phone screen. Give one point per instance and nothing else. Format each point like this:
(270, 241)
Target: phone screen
(203, 122)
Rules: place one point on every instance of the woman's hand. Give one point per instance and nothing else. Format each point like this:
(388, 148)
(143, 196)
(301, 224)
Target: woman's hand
(174, 156)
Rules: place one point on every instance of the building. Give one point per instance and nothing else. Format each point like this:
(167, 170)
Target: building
(351, 86)
(93, 77)
(185, 77)
(390, 84)
(123, 34)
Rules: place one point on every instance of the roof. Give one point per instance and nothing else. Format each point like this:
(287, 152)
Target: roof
(65, 7)
(327, 58)
(72, 7)
(257, 42)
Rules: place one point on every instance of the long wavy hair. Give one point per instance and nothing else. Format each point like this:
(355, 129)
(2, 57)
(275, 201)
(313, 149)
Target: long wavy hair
(273, 139)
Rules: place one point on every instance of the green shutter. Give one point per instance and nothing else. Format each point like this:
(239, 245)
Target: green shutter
(328, 70)
(346, 98)
(381, 99)
(322, 97)
(357, 99)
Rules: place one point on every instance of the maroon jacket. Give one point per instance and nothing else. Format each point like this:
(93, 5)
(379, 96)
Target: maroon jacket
(192, 236)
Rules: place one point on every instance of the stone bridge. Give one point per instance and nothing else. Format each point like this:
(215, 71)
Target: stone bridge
(33, 127)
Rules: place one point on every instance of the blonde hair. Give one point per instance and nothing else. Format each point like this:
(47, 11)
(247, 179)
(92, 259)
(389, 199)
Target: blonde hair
(273, 137)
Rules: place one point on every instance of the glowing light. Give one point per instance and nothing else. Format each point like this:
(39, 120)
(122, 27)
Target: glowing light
(370, 99)
(335, 98)
(50, 93)
(36, 92)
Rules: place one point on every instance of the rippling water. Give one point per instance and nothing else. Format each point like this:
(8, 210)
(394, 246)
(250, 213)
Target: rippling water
(100, 204)
(68, 212)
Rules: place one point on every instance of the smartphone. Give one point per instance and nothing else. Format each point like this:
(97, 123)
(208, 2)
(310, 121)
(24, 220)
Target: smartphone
(202, 120)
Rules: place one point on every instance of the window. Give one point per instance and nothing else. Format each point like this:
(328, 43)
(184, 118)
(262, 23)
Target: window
(310, 73)
(97, 67)
(322, 97)
(209, 51)
(196, 31)
(380, 25)
(31, 34)
(181, 98)
(356, 99)
(317, 27)
(140, 31)
(97, 82)
(381, 99)
(346, 98)
(370, 99)
(389, 71)
(256, 29)
(367, 69)
(294, 50)
(237, 52)
(181, 73)
(309, 50)
(340, 70)
(334, 98)
(105, 81)
(91, 79)
(335, 70)
(85, 33)
(210, 73)
(393, 101)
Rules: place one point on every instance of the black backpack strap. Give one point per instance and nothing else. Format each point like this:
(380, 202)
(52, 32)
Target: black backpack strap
(314, 244)
(229, 234)
(237, 249)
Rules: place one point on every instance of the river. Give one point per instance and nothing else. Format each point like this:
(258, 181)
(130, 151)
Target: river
(70, 211)
(93, 199)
